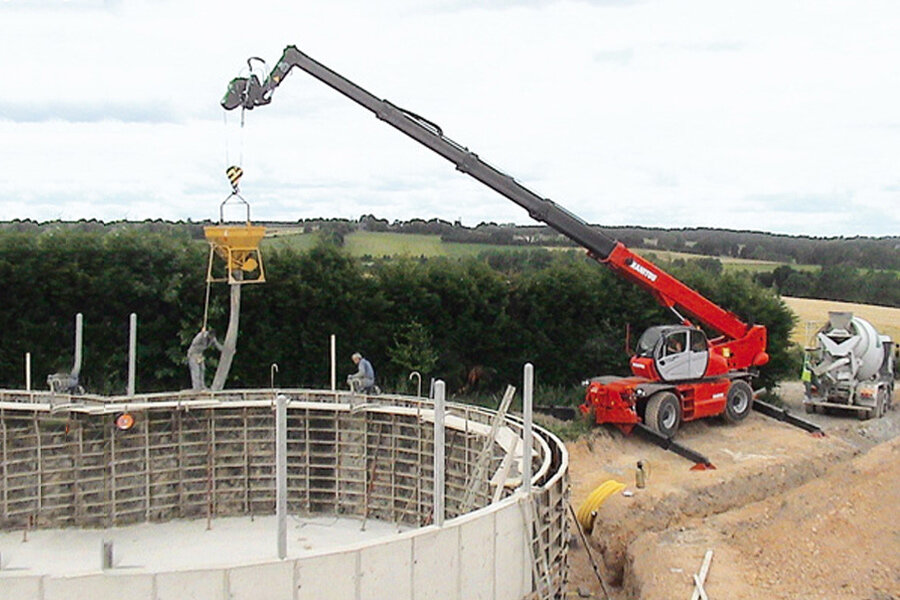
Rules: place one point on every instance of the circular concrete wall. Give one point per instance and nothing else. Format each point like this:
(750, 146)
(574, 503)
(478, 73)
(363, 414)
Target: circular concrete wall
(212, 455)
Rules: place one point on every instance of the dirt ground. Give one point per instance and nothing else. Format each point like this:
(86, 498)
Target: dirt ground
(787, 515)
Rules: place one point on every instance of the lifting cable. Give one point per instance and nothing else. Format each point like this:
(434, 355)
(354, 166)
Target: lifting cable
(233, 174)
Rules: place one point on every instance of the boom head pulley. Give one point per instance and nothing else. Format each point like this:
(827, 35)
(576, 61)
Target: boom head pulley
(246, 92)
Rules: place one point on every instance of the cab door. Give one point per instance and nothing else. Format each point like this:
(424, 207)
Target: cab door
(673, 356)
(699, 355)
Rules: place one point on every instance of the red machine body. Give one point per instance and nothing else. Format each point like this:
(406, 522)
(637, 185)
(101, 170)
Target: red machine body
(678, 361)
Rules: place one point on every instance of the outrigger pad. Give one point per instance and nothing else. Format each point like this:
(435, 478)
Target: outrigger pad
(701, 463)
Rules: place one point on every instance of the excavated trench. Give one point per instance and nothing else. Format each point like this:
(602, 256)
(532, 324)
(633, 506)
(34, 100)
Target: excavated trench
(650, 543)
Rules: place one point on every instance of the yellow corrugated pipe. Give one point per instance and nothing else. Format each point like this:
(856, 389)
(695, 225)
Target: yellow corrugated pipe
(588, 508)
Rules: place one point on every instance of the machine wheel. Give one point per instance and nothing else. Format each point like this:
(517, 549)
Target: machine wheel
(876, 411)
(738, 402)
(663, 413)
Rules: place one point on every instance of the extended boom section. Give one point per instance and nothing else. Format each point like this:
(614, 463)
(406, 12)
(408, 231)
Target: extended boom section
(678, 374)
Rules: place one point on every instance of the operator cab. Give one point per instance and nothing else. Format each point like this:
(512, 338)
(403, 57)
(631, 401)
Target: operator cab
(676, 353)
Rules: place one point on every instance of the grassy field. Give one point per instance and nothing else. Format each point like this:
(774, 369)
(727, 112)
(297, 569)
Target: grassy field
(728, 263)
(814, 313)
(379, 244)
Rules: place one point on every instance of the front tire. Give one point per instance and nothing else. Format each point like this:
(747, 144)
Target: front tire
(738, 402)
(663, 413)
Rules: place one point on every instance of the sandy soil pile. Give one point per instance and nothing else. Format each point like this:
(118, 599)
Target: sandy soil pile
(787, 515)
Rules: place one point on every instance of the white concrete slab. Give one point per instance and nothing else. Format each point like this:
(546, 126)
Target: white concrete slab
(183, 544)
(19, 587)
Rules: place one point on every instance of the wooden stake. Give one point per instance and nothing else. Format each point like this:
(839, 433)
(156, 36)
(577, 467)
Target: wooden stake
(700, 578)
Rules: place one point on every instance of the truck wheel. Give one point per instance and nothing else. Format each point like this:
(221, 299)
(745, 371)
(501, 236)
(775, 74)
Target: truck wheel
(877, 411)
(738, 402)
(663, 413)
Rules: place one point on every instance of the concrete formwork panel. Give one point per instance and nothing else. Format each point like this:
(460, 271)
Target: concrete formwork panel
(328, 576)
(190, 585)
(509, 553)
(436, 564)
(270, 581)
(385, 571)
(476, 558)
(101, 585)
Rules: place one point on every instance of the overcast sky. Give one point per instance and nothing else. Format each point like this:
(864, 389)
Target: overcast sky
(770, 115)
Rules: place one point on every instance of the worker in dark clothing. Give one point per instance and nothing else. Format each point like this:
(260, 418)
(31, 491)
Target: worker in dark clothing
(196, 361)
(364, 378)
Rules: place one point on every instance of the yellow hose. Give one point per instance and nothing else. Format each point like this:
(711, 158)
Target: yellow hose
(588, 508)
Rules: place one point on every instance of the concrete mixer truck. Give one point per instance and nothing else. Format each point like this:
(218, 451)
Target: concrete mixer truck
(849, 367)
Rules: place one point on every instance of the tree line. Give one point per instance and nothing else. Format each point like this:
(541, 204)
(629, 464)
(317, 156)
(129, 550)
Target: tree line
(472, 322)
(877, 253)
(836, 282)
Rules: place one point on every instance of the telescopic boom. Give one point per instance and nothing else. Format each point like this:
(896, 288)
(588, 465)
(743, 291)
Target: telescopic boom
(742, 345)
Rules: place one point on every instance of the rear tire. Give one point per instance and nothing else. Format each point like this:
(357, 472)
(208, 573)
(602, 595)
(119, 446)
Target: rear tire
(738, 402)
(663, 413)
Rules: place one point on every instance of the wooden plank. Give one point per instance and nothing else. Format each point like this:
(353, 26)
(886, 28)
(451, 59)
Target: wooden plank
(700, 578)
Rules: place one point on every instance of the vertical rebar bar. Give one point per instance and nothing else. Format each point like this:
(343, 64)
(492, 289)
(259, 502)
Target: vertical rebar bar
(132, 352)
(439, 474)
(79, 337)
(28, 371)
(281, 472)
(333, 363)
(527, 433)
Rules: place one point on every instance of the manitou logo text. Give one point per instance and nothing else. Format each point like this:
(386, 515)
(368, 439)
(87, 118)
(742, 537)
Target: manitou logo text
(643, 271)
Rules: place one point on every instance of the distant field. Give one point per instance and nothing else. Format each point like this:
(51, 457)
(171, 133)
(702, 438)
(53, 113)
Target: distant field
(728, 263)
(814, 313)
(379, 244)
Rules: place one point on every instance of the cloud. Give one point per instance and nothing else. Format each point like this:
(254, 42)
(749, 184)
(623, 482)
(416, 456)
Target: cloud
(506, 4)
(621, 57)
(719, 46)
(75, 112)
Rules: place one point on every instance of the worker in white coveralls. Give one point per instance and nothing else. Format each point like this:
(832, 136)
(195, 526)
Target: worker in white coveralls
(196, 361)
(364, 378)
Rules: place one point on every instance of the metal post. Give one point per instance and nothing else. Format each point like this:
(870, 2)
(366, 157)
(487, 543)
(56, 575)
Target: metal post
(281, 472)
(527, 429)
(79, 336)
(132, 352)
(439, 453)
(333, 363)
(28, 371)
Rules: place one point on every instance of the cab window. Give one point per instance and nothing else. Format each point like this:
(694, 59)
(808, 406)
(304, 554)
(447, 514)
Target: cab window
(698, 341)
(675, 343)
(647, 342)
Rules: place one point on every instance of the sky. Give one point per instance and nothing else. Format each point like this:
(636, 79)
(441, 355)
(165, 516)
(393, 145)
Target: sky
(767, 115)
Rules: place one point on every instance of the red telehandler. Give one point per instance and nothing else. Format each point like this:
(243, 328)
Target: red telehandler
(678, 373)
